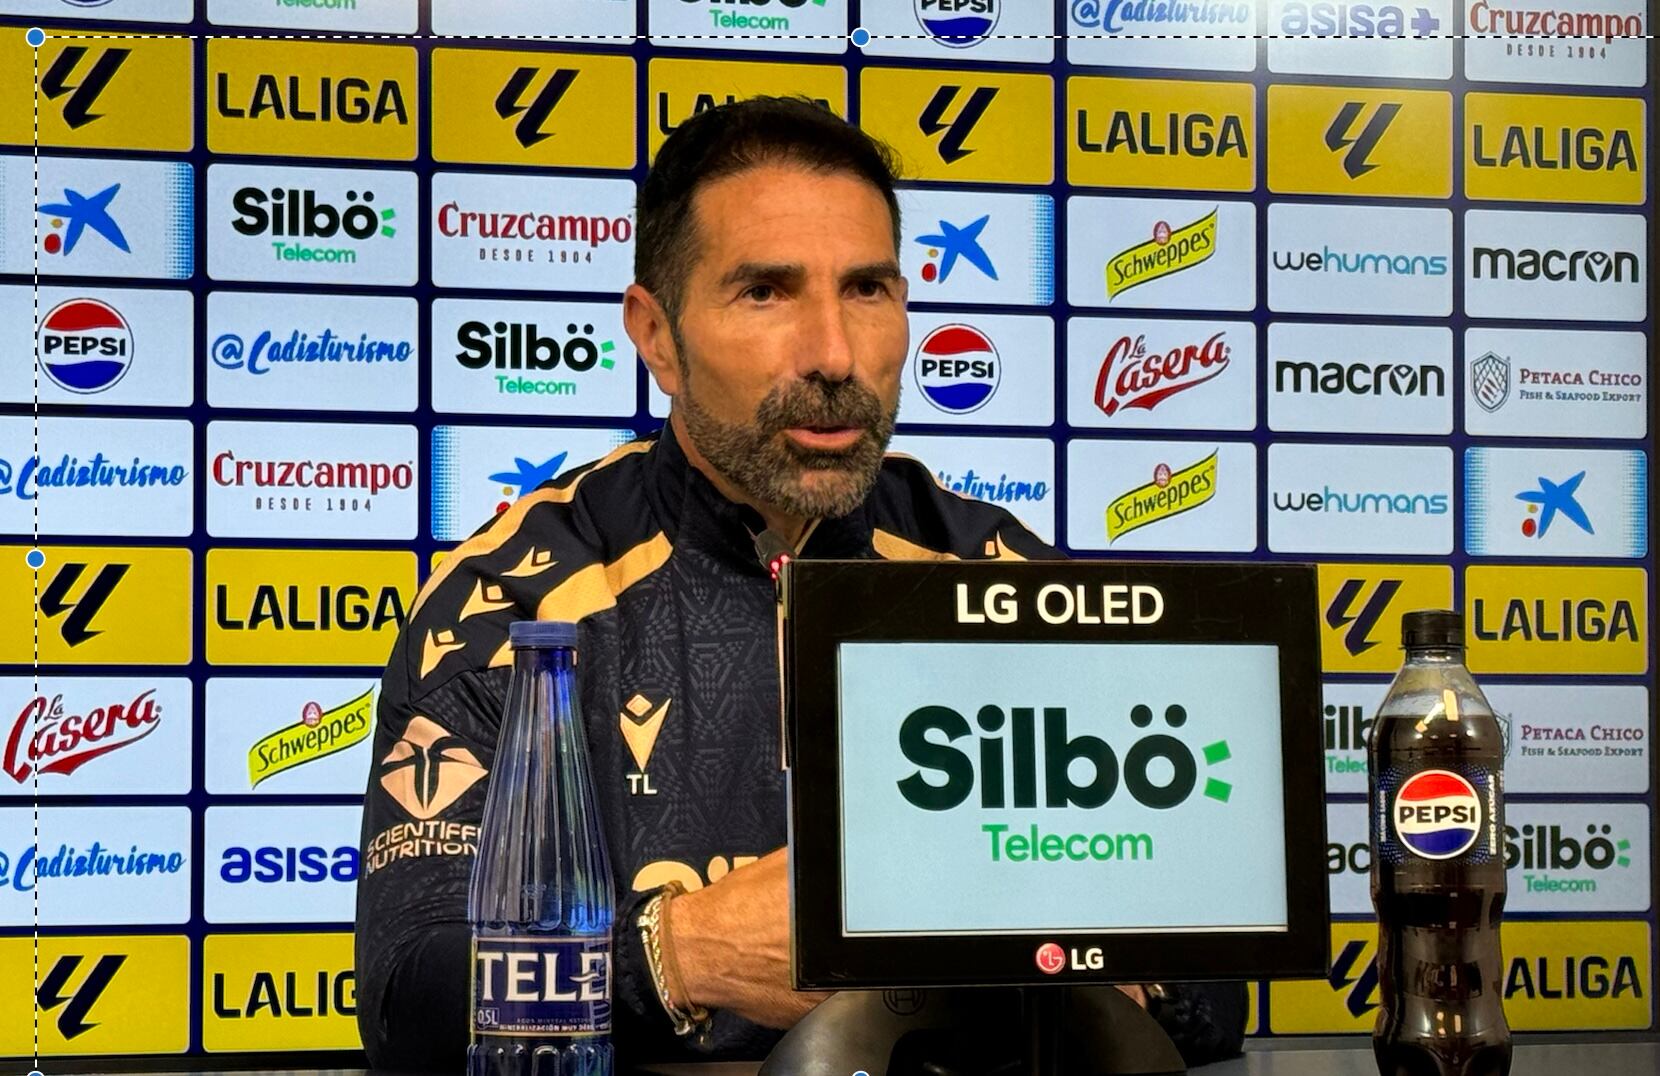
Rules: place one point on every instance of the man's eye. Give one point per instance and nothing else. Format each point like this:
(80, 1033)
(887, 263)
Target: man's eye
(760, 292)
(870, 289)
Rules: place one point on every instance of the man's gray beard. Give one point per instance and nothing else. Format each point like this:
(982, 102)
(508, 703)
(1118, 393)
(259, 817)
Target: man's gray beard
(767, 467)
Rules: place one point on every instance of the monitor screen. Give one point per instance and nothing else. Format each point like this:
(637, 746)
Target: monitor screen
(1033, 787)
(1025, 772)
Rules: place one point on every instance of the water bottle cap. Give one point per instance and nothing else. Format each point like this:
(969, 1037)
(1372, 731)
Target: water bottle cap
(1432, 628)
(541, 633)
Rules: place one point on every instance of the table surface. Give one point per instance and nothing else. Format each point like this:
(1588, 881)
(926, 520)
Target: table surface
(1326, 1058)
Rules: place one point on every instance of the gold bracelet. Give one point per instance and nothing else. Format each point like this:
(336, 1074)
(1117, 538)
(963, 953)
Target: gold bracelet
(685, 1023)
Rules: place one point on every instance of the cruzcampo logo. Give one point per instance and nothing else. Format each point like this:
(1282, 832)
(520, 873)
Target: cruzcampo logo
(1169, 251)
(1170, 493)
(1160, 771)
(318, 733)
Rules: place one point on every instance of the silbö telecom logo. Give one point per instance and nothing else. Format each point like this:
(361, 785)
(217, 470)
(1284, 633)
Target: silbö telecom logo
(1160, 771)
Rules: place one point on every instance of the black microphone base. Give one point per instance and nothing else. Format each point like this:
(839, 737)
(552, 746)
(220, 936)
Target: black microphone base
(988, 1031)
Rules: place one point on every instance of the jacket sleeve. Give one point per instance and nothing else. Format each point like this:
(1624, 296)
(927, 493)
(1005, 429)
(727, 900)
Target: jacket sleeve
(421, 813)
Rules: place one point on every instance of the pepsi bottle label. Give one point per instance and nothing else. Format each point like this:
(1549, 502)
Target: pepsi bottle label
(542, 985)
(1438, 814)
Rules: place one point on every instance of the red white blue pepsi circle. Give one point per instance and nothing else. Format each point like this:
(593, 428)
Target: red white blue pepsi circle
(957, 24)
(957, 368)
(1437, 814)
(84, 345)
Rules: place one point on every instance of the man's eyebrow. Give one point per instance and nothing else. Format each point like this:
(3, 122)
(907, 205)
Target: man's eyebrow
(752, 272)
(882, 270)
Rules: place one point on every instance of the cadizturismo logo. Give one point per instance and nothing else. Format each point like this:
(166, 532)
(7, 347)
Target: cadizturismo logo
(1160, 770)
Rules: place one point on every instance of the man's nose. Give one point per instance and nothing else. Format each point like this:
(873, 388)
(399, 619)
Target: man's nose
(826, 348)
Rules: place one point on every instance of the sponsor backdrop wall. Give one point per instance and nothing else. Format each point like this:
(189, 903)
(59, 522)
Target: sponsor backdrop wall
(293, 296)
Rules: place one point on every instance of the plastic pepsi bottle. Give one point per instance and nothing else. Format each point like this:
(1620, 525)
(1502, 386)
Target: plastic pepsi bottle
(541, 899)
(1436, 801)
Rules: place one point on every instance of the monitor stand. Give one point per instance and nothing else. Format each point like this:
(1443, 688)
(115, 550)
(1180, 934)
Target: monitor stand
(977, 1031)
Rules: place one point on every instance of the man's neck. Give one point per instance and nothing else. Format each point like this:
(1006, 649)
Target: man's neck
(790, 528)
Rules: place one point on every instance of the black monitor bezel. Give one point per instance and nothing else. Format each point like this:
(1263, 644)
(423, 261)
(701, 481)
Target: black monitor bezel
(826, 603)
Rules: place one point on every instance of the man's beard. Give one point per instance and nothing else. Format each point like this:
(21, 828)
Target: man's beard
(769, 468)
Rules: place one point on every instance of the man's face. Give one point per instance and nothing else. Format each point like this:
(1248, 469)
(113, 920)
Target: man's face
(792, 336)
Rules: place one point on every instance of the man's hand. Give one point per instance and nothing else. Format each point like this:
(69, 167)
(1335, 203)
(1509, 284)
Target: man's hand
(728, 946)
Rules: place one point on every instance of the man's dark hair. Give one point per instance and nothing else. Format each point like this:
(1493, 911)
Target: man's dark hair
(728, 139)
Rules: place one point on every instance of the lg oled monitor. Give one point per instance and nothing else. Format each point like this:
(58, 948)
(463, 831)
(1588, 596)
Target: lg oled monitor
(1035, 772)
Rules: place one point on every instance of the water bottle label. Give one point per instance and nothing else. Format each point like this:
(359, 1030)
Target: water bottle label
(1439, 814)
(542, 985)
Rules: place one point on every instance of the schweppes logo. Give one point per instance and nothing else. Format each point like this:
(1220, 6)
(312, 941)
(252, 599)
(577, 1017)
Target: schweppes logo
(1361, 607)
(1196, 136)
(1170, 250)
(278, 992)
(104, 605)
(1170, 493)
(124, 92)
(559, 109)
(305, 607)
(317, 734)
(1557, 976)
(1360, 142)
(680, 89)
(1557, 620)
(1545, 148)
(107, 995)
(977, 127)
(309, 99)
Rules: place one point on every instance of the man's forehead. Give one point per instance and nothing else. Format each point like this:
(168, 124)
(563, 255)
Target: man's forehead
(842, 223)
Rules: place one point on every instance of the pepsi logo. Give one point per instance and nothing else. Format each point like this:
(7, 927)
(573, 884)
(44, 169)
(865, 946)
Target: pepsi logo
(957, 368)
(84, 345)
(1437, 814)
(1051, 958)
(957, 24)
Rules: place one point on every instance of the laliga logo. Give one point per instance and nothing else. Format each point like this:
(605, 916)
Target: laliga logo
(1437, 814)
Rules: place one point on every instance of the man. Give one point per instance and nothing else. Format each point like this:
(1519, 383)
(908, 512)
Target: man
(769, 304)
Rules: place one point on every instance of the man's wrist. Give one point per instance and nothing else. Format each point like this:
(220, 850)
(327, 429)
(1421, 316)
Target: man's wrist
(685, 1015)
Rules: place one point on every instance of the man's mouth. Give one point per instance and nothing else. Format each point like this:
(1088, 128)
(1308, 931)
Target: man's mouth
(826, 438)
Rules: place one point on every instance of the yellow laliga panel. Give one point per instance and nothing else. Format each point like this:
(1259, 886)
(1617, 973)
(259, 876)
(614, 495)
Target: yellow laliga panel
(533, 108)
(119, 994)
(1361, 143)
(1361, 607)
(126, 92)
(963, 126)
(1548, 148)
(682, 88)
(1558, 976)
(1531, 619)
(278, 992)
(97, 605)
(305, 606)
(312, 99)
(1165, 135)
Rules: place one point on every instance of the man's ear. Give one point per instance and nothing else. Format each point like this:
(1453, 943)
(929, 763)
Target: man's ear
(647, 324)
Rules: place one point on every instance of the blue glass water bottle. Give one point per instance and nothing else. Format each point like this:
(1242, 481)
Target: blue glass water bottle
(541, 900)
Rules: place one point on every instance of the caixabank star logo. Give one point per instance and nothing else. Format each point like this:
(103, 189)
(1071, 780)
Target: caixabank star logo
(118, 92)
(311, 99)
(558, 109)
(965, 126)
(114, 994)
(1548, 148)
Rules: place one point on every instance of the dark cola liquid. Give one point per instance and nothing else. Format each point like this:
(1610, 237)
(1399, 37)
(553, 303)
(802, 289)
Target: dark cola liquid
(1436, 802)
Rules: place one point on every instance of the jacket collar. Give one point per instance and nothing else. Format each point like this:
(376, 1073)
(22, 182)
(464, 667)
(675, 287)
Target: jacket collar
(695, 515)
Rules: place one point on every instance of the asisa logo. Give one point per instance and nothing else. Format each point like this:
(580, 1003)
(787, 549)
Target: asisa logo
(274, 863)
(1437, 814)
(85, 345)
(293, 216)
(952, 242)
(957, 368)
(958, 24)
(1323, 18)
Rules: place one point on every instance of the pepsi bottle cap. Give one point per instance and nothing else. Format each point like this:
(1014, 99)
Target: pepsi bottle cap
(530, 634)
(1432, 628)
